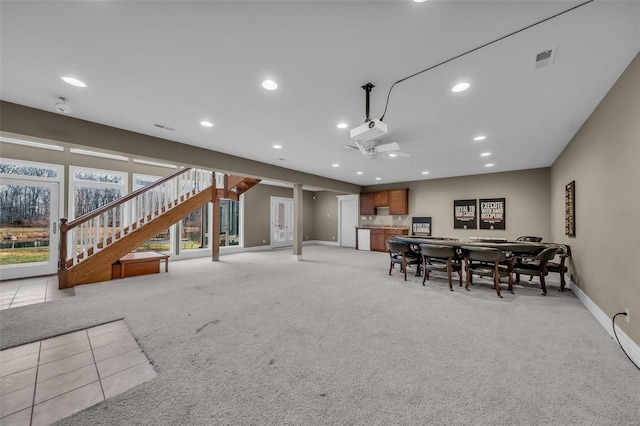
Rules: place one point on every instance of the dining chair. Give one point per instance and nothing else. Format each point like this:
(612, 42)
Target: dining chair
(529, 239)
(400, 253)
(563, 253)
(537, 266)
(440, 258)
(487, 261)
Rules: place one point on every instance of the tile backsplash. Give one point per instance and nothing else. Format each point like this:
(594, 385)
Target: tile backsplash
(384, 219)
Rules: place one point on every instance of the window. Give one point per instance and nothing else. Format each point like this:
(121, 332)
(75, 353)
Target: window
(93, 188)
(23, 168)
(162, 241)
(194, 232)
(229, 223)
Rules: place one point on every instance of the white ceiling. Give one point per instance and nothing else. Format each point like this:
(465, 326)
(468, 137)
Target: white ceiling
(178, 63)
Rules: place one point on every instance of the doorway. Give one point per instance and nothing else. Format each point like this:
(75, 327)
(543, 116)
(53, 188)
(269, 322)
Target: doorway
(29, 228)
(348, 214)
(281, 222)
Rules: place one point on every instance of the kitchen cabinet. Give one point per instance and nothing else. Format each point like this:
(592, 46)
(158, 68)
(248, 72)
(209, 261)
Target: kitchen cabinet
(366, 204)
(381, 199)
(399, 201)
(379, 236)
(378, 240)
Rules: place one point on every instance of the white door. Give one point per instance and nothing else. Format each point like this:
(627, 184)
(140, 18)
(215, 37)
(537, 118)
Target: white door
(281, 222)
(348, 205)
(29, 228)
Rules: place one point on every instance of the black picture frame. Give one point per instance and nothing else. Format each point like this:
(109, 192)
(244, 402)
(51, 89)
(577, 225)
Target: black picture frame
(465, 214)
(570, 209)
(493, 213)
(421, 226)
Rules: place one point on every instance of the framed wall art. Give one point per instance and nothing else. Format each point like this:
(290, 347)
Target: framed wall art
(570, 209)
(492, 213)
(464, 214)
(421, 226)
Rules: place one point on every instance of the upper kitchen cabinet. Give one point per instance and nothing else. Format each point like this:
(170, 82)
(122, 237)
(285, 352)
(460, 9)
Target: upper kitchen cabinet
(381, 199)
(398, 201)
(366, 204)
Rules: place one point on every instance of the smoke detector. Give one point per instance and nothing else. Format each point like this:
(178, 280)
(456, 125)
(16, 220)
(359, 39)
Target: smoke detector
(62, 106)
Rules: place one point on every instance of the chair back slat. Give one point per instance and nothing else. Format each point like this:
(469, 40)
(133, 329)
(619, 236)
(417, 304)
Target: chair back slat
(437, 251)
(398, 247)
(483, 254)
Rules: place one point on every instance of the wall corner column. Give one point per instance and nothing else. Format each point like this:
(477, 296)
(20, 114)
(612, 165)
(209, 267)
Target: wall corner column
(298, 229)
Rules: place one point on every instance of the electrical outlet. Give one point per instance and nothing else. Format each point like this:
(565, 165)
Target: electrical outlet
(626, 317)
(264, 241)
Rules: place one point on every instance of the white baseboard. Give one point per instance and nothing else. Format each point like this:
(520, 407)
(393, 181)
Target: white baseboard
(238, 249)
(631, 348)
(320, 242)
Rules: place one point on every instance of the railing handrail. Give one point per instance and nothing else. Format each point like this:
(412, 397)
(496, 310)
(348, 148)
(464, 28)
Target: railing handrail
(88, 216)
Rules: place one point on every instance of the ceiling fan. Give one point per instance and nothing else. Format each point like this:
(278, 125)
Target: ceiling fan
(365, 136)
(371, 148)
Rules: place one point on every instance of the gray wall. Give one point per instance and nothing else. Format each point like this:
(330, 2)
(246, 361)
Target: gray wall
(604, 160)
(21, 120)
(257, 211)
(526, 193)
(325, 223)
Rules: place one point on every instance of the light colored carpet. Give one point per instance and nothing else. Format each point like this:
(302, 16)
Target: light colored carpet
(259, 339)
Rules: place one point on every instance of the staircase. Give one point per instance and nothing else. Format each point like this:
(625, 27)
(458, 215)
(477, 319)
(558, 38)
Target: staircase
(90, 244)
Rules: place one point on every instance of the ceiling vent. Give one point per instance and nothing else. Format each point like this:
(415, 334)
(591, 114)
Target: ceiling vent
(545, 58)
(164, 127)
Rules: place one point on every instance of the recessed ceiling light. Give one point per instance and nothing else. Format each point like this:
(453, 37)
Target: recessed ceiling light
(358, 173)
(335, 165)
(485, 154)
(489, 165)
(206, 123)
(73, 81)
(378, 178)
(419, 1)
(276, 146)
(425, 173)
(479, 138)
(460, 87)
(342, 125)
(393, 155)
(270, 85)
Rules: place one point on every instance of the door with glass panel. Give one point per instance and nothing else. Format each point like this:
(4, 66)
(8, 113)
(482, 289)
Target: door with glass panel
(28, 228)
(281, 222)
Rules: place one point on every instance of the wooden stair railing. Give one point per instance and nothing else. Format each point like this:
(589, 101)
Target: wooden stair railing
(107, 233)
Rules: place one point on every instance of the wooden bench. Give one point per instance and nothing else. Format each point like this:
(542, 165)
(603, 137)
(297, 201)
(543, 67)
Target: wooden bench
(139, 263)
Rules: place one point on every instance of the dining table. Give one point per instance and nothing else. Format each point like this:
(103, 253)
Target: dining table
(512, 248)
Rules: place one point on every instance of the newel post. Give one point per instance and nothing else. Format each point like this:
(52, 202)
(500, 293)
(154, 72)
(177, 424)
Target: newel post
(62, 258)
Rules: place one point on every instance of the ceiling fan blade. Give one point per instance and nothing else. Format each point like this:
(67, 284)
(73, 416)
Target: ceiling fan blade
(393, 146)
(352, 147)
(401, 154)
(361, 147)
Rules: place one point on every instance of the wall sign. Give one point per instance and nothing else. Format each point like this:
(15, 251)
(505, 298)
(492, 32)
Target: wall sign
(421, 226)
(464, 214)
(492, 213)
(570, 209)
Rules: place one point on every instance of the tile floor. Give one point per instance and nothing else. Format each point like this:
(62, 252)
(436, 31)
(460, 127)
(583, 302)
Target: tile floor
(27, 291)
(45, 381)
